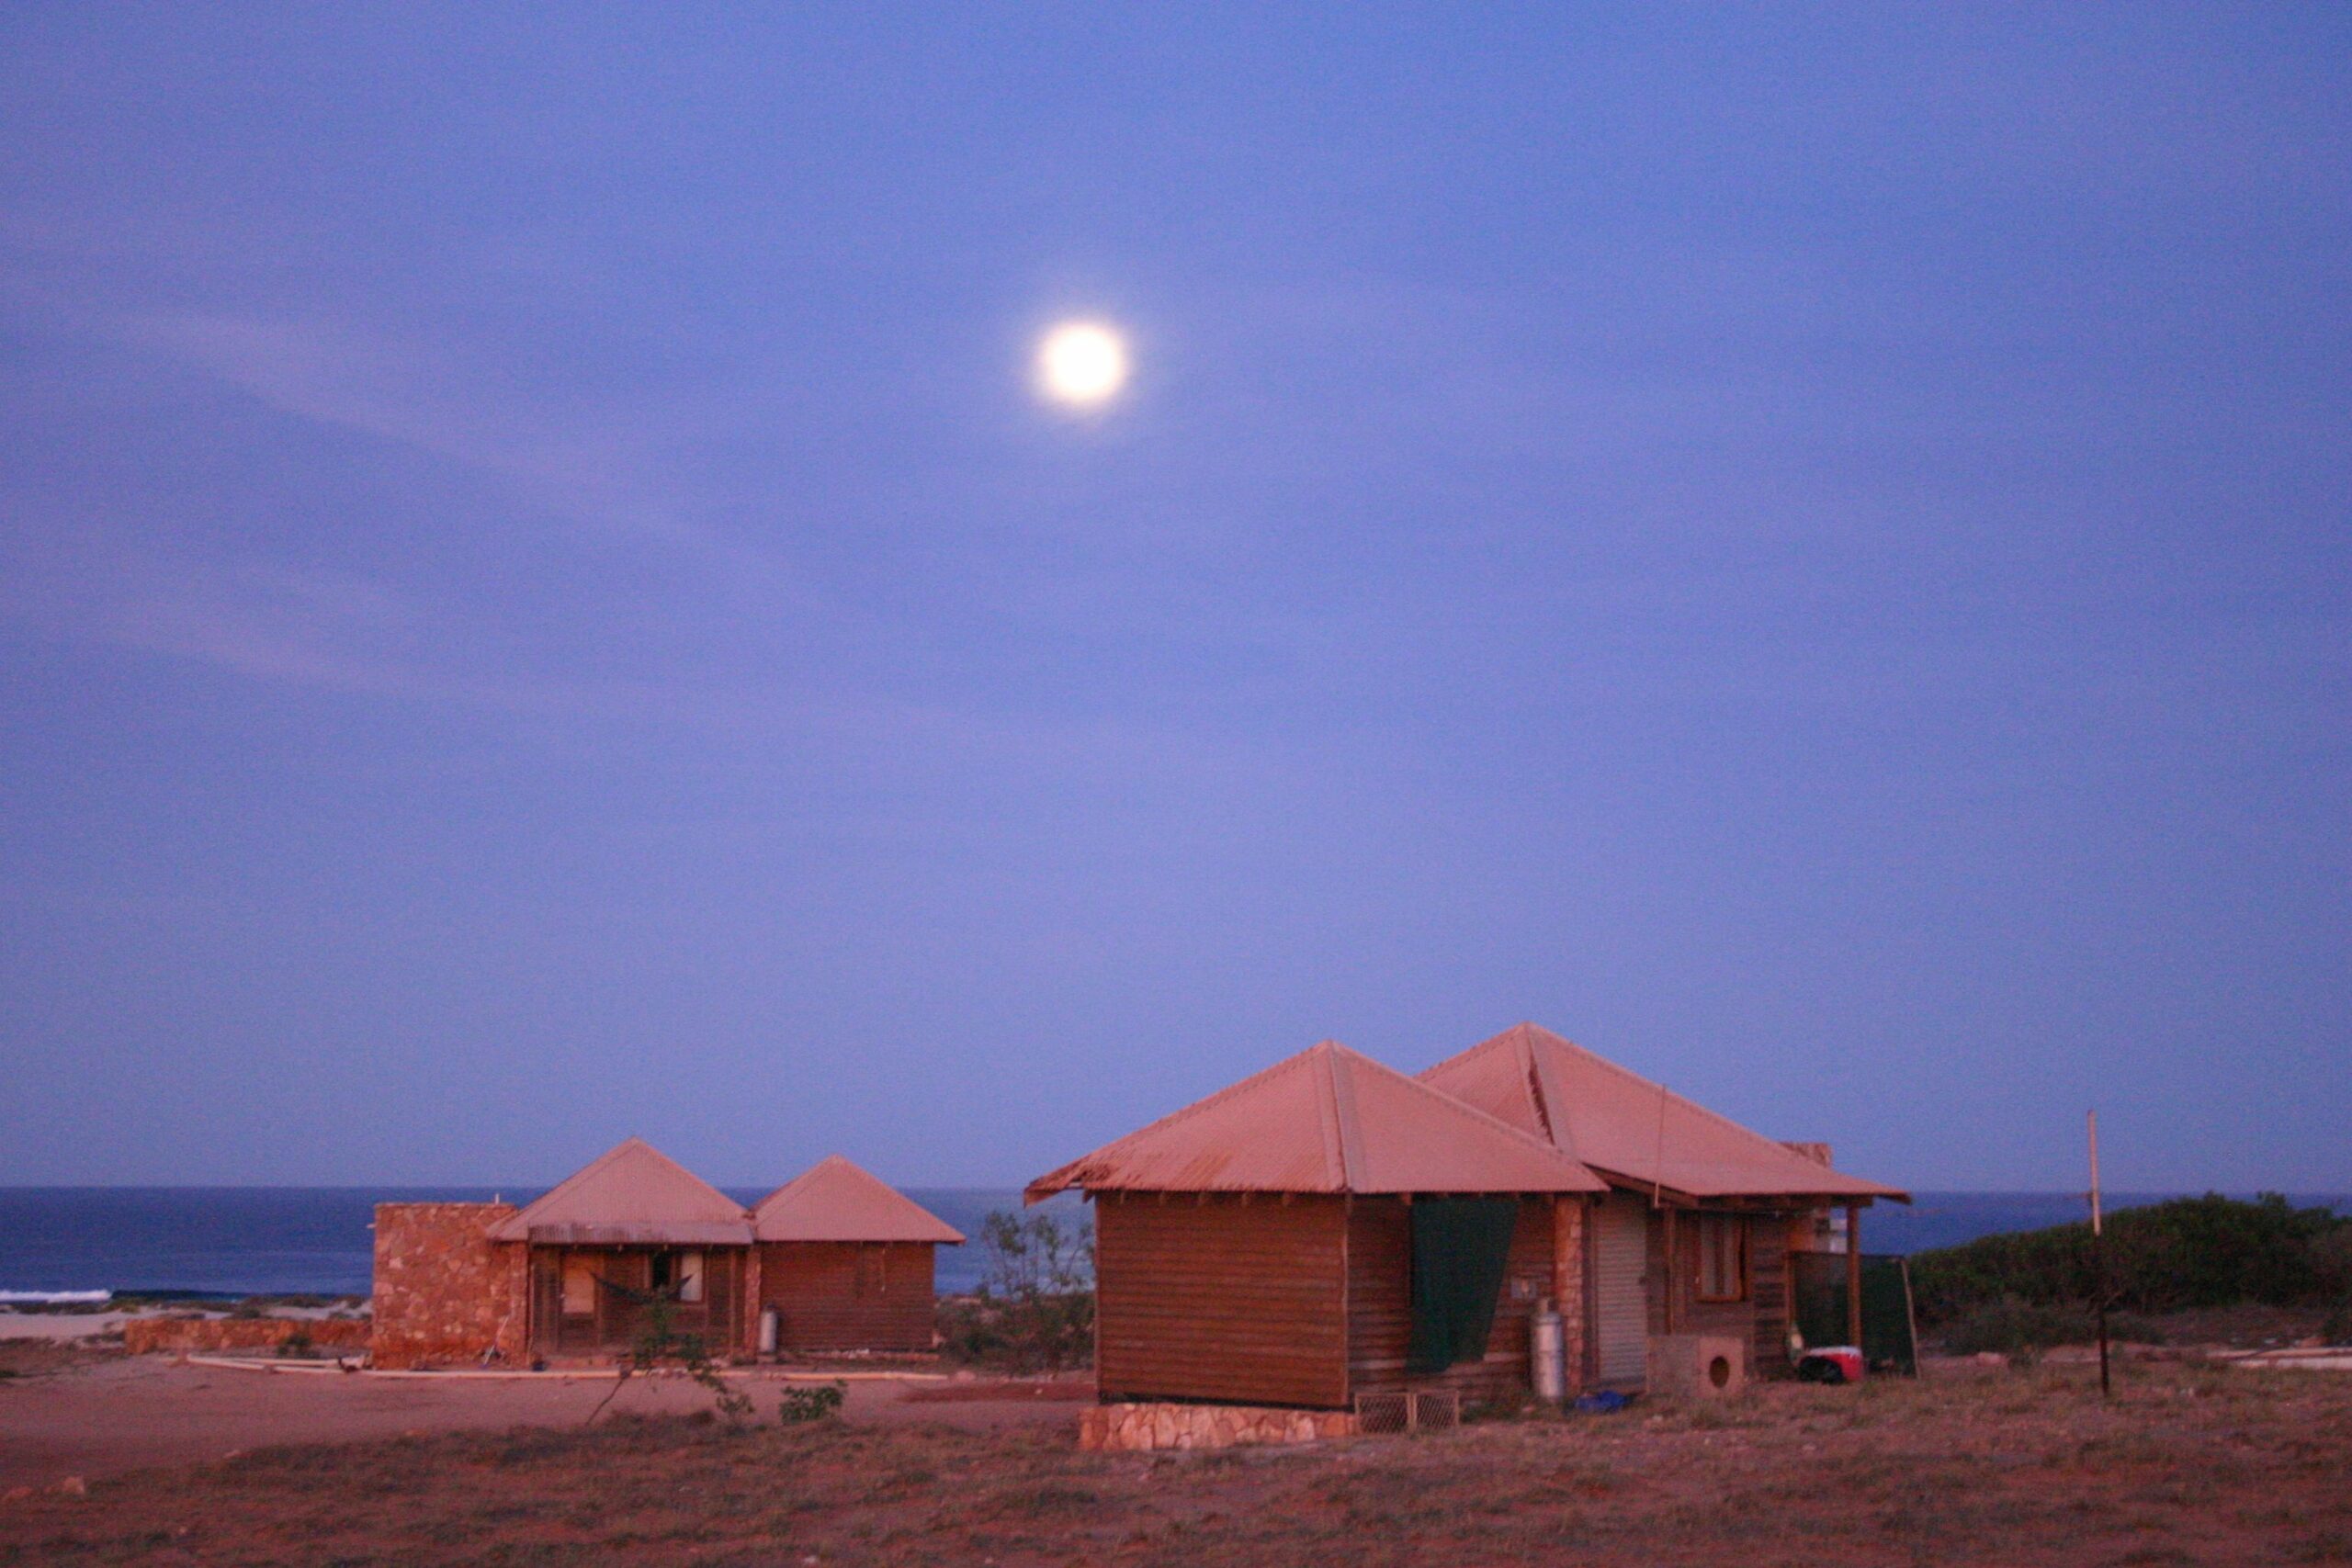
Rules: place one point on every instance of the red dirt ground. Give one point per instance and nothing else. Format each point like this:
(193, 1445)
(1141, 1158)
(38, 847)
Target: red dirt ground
(75, 1412)
(2190, 1465)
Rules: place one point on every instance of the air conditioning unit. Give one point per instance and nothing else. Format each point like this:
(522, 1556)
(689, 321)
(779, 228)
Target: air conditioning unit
(1697, 1366)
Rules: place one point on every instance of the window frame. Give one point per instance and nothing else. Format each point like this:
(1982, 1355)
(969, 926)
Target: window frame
(1723, 1229)
(582, 1271)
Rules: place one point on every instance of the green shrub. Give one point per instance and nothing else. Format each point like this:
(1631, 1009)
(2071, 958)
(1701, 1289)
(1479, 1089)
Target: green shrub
(800, 1404)
(1036, 1306)
(2012, 1327)
(2187, 1252)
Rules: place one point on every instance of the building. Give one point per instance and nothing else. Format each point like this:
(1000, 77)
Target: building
(1695, 1235)
(631, 1228)
(845, 1262)
(1325, 1229)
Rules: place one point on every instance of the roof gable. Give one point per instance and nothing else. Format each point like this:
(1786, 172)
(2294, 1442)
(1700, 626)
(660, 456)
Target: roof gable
(633, 1193)
(1622, 1123)
(836, 1200)
(1326, 1120)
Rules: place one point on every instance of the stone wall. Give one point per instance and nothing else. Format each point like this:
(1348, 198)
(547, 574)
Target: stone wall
(444, 1291)
(1130, 1428)
(1571, 1225)
(206, 1335)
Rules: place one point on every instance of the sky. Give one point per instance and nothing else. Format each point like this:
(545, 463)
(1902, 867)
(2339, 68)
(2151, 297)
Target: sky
(1806, 549)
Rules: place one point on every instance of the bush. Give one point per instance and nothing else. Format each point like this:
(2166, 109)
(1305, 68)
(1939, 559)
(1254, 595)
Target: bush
(801, 1405)
(2015, 1328)
(1036, 1307)
(2188, 1252)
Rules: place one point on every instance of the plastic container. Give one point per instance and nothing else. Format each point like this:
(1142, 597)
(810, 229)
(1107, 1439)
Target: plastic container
(1830, 1364)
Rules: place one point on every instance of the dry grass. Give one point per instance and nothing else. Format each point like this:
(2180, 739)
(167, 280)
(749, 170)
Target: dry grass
(2189, 1466)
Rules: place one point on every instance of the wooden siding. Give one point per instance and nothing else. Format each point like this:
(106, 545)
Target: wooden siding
(616, 1317)
(1760, 1317)
(838, 1295)
(1222, 1299)
(1770, 1293)
(1380, 1303)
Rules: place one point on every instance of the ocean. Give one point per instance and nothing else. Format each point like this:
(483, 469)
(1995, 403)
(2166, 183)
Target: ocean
(237, 1241)
(230, 1241)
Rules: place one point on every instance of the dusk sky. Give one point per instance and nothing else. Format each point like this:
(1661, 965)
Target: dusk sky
(1808, 550)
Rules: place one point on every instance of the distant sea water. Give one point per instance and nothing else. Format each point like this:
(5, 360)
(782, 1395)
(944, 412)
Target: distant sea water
(237, 1241)
(315, 1240)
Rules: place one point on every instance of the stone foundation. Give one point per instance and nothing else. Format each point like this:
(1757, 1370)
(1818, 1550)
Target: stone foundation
(444, 1291)
(206, 1335)
(1134, 1428)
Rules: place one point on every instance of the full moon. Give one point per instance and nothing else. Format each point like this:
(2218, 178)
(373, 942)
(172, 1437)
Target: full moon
(1081, 365)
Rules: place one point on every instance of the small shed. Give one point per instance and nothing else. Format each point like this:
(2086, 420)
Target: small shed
(1324, 1229)
(845, 1262)
(1695, 1234)
(631, 1227)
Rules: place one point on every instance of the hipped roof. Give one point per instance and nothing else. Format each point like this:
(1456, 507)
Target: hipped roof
(835, 1200)
(1623, 1125)
(631, 1195)
(1326, 1120)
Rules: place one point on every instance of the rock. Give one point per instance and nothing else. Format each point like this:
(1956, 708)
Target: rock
(72, 1486)
(16, 1495)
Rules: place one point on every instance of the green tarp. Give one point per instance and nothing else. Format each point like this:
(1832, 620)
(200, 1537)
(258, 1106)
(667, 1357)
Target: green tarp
(1820, 1279)
(1460, 1247)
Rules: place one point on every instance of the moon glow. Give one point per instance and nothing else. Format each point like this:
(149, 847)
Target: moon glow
(1081, 365)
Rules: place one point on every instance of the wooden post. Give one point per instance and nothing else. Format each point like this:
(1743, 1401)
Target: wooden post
(1854, 1273)
(1667, 1241)
(2098, 1265)
(749, 1329)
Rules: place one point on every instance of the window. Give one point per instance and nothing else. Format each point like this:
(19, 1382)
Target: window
(690, 1275)
(578, 1288)
(1722, 1257)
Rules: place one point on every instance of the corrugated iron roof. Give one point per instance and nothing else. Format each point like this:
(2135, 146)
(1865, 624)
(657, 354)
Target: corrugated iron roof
(637, 1192)
(1327, 1119)
(1627, 1127)
(835, 1200)
(664, 1233)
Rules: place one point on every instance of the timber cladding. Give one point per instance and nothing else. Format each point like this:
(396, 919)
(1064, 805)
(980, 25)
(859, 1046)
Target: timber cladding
(841, 1295)
(1380, 1301)
(1222, 1299)
(1760, 1316)
(596, 1300)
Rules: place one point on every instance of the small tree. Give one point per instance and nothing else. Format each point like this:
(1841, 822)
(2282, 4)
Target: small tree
(659, 1341)
(1037, 1298)
(1036, 1257)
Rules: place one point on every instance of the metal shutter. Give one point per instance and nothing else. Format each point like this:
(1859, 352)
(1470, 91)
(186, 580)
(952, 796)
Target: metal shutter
(1621, 1256)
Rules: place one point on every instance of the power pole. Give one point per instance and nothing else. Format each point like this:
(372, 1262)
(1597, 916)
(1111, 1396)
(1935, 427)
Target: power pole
(2098, 1265)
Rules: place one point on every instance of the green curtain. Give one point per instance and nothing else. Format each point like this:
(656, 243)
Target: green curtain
(1460, 1248)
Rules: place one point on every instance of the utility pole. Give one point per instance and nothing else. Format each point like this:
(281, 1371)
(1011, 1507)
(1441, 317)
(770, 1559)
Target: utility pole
(2098, 1265)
